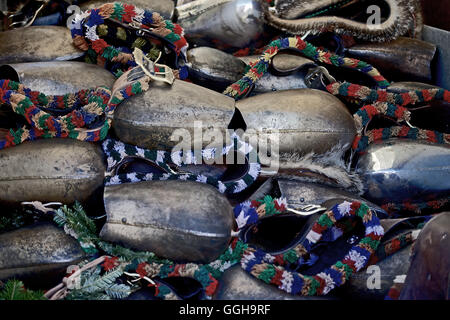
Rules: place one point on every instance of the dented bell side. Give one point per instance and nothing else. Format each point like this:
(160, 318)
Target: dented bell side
(148, 120)
(227, 23)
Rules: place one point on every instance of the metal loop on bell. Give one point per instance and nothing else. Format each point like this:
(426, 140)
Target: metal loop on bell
(410, 125)
(307, 210)
(318, 73)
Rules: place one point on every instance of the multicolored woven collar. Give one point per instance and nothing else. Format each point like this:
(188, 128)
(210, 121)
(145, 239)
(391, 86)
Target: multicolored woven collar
(258, 68)
(389, 104)
(88, 27)
(414, 207)
(88, 112)
(117, 152)
(269, 268)
(85, 118)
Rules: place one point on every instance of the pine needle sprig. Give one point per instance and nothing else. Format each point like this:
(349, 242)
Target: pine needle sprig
(95, 286)
(14, 290)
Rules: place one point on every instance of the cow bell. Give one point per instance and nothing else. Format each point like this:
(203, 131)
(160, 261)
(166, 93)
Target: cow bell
(400, 170)
(37, 43)
(403, 58)
(301, 120)
(177, 220)
(53, 170)
(233, 23)
(62, 77)
(38, 255)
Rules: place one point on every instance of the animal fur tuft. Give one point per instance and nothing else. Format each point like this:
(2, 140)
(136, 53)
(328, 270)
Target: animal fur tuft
(330, 165)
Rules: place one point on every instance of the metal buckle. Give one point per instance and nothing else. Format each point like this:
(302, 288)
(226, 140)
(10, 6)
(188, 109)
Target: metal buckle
(307, 210)
(315, 77)
(148, 67)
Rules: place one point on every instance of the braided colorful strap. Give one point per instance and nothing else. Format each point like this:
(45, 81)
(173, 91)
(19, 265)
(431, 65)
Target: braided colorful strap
(387, 249)
(361, 141)
(367, 95)
(117, 151)
(89, 26)
(391, 105)
(415, 207)
(269, 268)
(84, 110)
(208, 274)
(240, 88)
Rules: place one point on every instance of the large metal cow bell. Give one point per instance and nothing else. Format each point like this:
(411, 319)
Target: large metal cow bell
(53, 170)
(177, 220)
(399, 171)
(37, 43)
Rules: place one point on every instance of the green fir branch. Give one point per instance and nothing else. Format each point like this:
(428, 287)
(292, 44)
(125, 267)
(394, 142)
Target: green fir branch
(15, 290)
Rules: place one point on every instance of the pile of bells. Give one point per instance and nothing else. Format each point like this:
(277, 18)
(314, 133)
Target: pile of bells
(348, 198)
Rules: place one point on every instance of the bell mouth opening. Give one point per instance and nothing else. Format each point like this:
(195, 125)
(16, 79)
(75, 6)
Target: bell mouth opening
(184, 287)
(237, 170)
(355, 10)
(276, 233)
(138, 165)
(9, 73)
(231, 168)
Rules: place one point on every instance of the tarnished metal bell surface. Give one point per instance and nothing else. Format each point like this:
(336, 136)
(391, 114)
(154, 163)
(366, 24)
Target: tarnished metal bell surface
(428, 277)
(214, 68)
(148, 120)
(236, 284)
(399, 170)
(287, 71)
(403, 58)
(307, 120)
(163, 7)
(62, 170)
(178, 220)
(38, 255)
(299, 193)
(234, 23)
(61, 77)
(37, 43)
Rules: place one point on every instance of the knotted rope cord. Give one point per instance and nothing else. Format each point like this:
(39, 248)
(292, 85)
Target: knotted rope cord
(88, 28)
(246, 214)
(382, 102)
(399, 242)
(259, 67)
(271, 268)
(392, 105)
(117, 151)
(85, 109)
